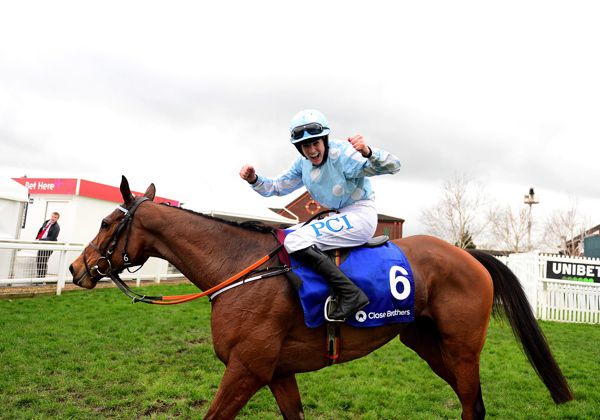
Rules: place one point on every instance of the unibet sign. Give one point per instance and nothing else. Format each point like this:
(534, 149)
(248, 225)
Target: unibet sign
(573, 271)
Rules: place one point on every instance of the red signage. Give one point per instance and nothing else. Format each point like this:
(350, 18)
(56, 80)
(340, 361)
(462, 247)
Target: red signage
(68, 186)
(49, 185)
(108, 193)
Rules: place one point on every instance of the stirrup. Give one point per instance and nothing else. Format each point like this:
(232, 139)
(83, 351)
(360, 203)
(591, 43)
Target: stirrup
(331, 301)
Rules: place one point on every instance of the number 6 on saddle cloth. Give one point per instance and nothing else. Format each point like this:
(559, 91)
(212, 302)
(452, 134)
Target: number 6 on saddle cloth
(382, 272)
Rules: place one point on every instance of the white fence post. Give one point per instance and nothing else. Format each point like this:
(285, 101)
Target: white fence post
(62, 272)
(526, 268)
(18, 264)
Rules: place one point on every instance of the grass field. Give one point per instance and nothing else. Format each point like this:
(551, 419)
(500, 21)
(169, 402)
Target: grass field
(95, 355)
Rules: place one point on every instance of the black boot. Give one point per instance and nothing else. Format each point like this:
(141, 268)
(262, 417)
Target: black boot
(350, 297)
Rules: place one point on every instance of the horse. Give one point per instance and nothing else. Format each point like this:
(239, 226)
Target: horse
(258, 330)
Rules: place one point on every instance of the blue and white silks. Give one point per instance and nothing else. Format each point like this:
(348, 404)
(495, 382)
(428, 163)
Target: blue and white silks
(338, 182)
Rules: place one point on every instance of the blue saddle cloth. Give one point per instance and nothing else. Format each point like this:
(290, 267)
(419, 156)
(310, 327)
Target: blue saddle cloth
(383, 273)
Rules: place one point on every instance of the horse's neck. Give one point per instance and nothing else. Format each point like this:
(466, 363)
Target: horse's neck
(205, 250)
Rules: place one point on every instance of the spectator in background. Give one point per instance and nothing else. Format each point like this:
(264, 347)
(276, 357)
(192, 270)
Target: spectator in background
(48, 232)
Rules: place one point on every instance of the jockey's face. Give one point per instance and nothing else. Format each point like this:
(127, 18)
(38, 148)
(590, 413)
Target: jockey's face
(314, 151)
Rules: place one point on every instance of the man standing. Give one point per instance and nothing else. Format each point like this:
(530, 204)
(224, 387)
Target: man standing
(48, 232)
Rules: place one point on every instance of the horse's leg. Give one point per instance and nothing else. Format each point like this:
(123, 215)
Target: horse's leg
(237, 386)
(286, 393)
(464, 363)
(449, 362)
(422, 337)
(462, 342)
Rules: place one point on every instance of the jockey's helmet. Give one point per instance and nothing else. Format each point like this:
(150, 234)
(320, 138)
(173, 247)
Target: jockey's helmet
(308, 124)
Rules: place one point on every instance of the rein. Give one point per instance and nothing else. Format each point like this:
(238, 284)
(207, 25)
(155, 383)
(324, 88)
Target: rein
(113, 274)
(215, 290)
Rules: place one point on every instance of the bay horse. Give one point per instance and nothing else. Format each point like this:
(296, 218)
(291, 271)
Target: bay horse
(258, 330)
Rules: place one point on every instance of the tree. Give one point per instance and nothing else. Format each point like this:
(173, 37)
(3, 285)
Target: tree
(562, 227)
(466, 242)
(456, 218)
(509, 229)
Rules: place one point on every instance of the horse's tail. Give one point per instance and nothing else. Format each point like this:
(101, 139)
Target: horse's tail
(509, 296)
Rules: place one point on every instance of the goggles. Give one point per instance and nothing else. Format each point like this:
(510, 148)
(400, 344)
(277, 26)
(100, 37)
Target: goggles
(310, 128)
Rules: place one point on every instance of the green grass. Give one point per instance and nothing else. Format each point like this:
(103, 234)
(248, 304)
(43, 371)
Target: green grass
(95, 355)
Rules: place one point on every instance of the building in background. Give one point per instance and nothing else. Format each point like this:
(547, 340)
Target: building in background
(82, 204)
(585, 244)
(13, 205)
(591, 246)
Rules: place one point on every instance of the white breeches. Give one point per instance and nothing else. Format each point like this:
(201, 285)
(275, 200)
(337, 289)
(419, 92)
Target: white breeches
(354, 225)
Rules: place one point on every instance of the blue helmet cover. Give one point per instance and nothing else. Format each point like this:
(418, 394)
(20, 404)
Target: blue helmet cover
(308, 116)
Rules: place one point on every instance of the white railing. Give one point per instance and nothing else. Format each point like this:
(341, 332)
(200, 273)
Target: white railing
(569, 301)
(556, 299)
(20, 265)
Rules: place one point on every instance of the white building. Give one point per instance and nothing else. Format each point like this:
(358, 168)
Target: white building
(13, 203)
(81, 204)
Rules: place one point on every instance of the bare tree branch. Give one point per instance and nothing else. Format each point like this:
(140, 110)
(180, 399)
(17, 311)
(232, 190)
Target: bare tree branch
(562, 228)
(457, 217)
(509, 230)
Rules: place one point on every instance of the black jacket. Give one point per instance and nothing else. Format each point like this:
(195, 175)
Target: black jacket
(52, 233)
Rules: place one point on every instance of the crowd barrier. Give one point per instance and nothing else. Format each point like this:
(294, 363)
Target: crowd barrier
(22, 264)
(559, 288)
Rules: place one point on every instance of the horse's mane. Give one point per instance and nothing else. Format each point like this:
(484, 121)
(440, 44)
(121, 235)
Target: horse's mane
(248, 225)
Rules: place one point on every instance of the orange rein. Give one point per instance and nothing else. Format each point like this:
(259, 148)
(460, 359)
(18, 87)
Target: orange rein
(173, 300)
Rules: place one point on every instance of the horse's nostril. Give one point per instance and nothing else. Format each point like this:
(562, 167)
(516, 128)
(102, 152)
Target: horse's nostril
(71, 269)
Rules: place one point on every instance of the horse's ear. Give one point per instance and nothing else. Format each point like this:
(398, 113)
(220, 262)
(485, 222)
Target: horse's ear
(125, 191)
(150, 192)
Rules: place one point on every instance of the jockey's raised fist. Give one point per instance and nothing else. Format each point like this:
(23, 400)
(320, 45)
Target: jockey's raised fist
(248, 174)
(358, 142)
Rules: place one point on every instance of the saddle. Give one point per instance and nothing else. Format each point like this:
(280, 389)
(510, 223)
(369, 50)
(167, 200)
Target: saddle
(377, 241)
(339, 255)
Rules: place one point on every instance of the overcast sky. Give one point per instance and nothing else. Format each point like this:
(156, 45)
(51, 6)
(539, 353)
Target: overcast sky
(182, 94)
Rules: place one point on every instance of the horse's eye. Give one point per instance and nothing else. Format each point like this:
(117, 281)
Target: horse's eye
(103, 225)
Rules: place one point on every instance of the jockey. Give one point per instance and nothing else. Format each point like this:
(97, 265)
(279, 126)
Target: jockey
(334, 173)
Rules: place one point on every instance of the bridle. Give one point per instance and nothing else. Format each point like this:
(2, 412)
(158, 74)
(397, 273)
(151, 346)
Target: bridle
(113, 274)
(106, 255)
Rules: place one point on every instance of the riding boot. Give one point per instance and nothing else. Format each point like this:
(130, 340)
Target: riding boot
(350, 298)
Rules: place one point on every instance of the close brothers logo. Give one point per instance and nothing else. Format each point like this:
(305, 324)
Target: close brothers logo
(362, 316)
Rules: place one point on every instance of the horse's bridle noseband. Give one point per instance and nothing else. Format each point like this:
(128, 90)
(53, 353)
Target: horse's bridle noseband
(112, 244)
